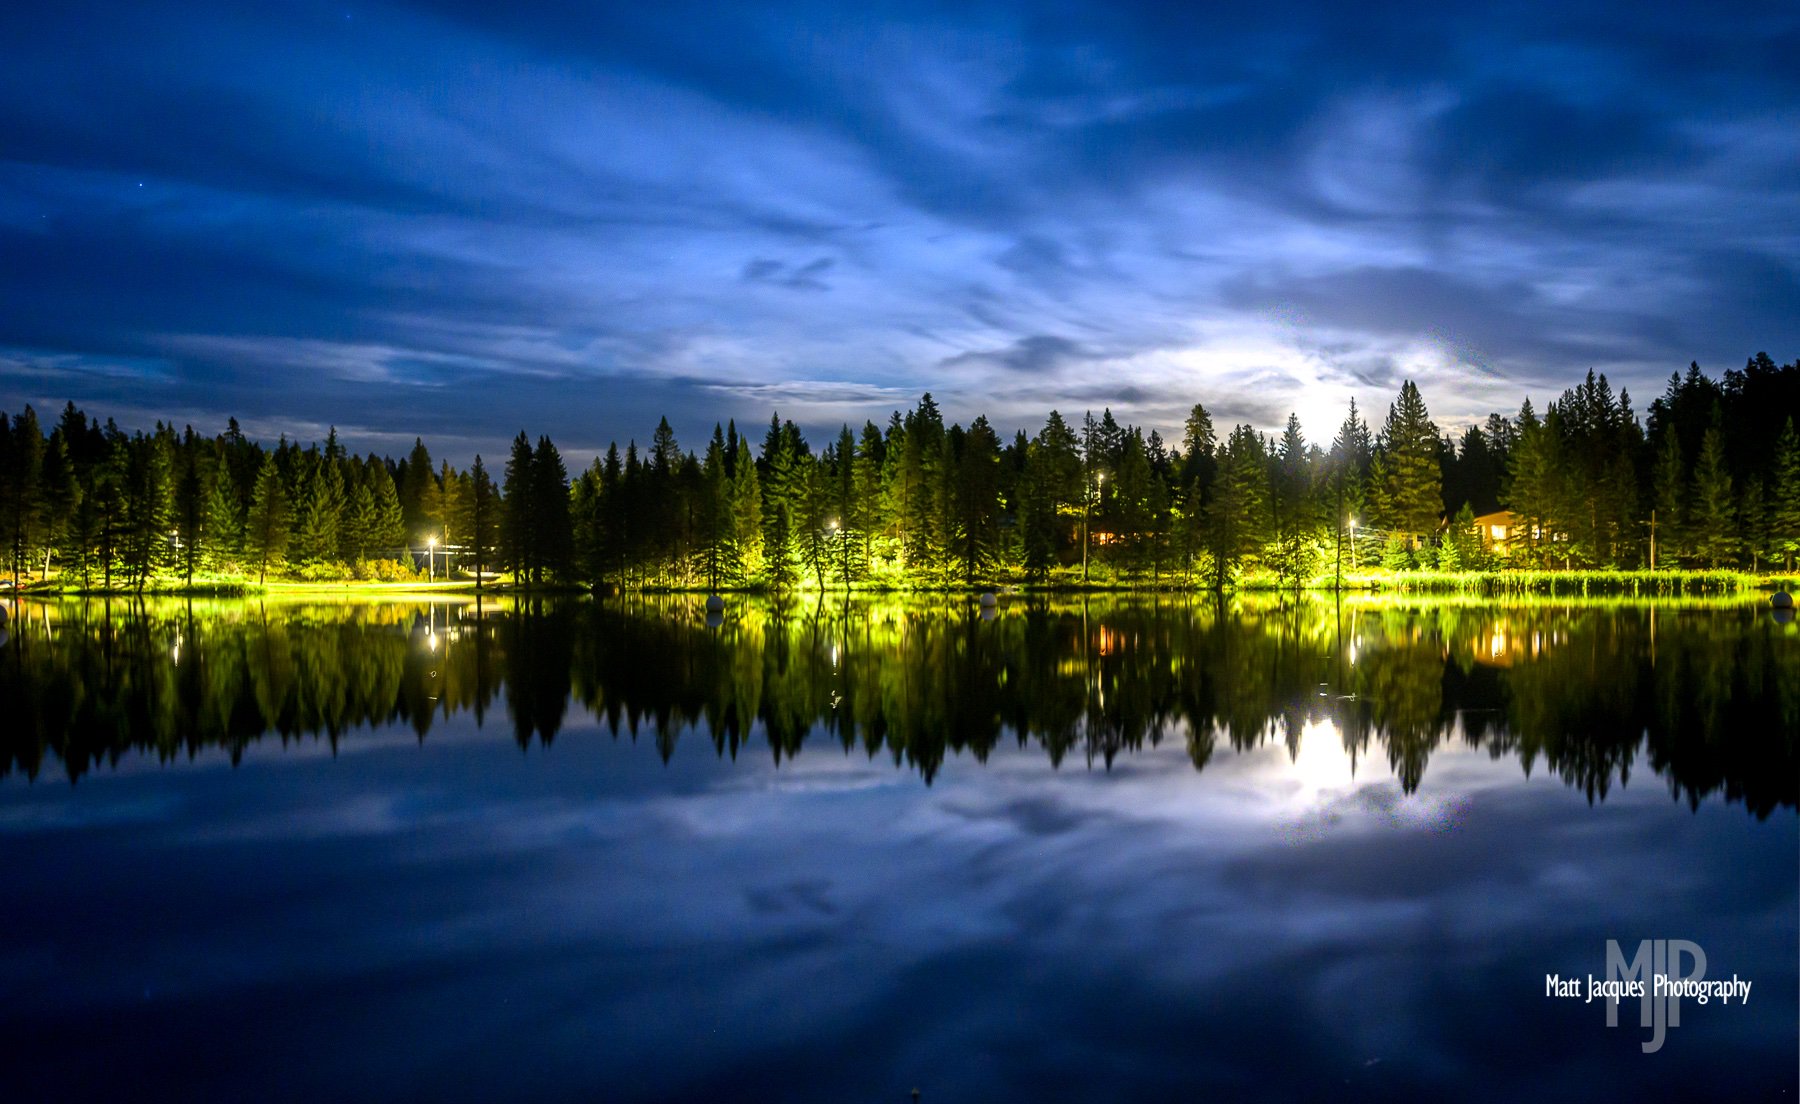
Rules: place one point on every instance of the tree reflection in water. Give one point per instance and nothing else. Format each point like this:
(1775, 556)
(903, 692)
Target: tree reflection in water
(1707, 694)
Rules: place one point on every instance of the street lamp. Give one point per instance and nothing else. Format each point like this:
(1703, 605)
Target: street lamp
(1086, 499)
(842, 536)
(430, 559)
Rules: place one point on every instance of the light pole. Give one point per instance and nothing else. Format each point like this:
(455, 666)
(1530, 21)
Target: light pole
(431, 559)
(832, 528)
(1086, 500)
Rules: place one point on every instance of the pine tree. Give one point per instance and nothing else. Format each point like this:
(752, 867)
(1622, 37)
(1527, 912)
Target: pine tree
(266, 529)
(1037, 509)
(21, 492)
(1711, 529)
(321, 503)
(1784, 505)
(919, 489)
(1528, 486)
(717, 553)
(1753, 532)
(387, 531)
(1292, 508)
(1198, 444)
(148, 506)
(1413, 487)
(60, 495)
(550, 502)
(746, 518)
(976, 536)
(782, 488)
(865, 511)
(519, 542)
(189, 506)
(1669, 494)
(1349, 471)
(1236, 516)
(1131, 503)
(356, 534)
(480, 523)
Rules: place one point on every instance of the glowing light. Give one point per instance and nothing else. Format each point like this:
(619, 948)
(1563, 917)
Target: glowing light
(1322, 762)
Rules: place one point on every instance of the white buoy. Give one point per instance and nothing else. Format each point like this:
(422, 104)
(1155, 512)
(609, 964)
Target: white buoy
(715, 604)
(1782, 600)
(988, 601)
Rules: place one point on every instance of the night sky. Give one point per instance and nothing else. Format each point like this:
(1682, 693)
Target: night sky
(460, 219)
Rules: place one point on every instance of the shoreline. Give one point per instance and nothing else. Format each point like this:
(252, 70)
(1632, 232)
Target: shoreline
(1648, 584)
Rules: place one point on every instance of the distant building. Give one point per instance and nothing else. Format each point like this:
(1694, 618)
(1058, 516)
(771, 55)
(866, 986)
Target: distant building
(1503, 532)
(1498, 531)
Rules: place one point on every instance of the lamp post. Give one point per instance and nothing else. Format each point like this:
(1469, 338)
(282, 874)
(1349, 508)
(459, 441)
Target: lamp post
(431, 559)
(831, 527)
(1086, 501)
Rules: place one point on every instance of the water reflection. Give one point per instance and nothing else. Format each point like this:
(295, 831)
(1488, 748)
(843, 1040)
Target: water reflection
(1707, 695)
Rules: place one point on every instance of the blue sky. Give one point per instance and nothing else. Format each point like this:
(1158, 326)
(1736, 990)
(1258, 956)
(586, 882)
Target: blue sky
(460, 219)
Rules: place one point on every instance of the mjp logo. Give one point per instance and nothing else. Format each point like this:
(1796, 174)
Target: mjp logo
(1656, 976)
(1656, 960)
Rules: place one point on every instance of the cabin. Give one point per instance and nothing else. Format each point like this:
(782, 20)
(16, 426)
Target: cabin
(1503, 531)
(1497, 530)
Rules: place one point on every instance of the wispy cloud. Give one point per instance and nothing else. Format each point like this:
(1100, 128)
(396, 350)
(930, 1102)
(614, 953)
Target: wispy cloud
(579, 218)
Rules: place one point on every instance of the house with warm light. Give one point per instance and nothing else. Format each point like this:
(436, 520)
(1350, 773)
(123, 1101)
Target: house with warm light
(1503, 531)
(1497, 530)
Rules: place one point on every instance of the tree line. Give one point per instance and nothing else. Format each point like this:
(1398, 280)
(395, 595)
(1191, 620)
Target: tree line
(1709, 479)
(916, 683)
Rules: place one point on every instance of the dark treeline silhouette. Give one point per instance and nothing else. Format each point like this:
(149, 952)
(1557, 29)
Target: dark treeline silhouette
(1708, 697)
(1711, 479)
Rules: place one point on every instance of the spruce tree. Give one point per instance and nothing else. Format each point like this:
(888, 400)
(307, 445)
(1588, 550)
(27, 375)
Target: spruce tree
(416, 488)
(1669, 495)
(21, 493)
(387, 531)
(1236, 516)
(266, 528)
(1784, 500)
(1711, 530)
(480, 518)
(1413, 483)
(976, 538)
(519, 542)
(550, 504)
(222, 528)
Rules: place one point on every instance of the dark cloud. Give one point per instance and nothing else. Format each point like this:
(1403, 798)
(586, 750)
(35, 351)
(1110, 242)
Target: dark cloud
(576, 215)
(803, 277)
(1040, 354)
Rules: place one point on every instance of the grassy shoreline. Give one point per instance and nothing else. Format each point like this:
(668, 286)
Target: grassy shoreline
(1504, 583)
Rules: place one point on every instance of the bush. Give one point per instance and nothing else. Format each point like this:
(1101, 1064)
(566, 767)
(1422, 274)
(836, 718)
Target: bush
(387, 571)
(325, 571)
(1396, 556)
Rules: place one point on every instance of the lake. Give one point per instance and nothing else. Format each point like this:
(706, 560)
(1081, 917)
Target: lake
(833, 850)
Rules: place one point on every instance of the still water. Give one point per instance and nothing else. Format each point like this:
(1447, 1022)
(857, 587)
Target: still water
(1088, 850)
